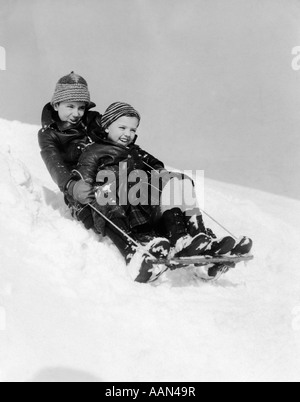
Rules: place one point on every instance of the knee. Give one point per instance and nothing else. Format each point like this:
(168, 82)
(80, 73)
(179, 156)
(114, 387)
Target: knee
(85, 216)
(181, 177)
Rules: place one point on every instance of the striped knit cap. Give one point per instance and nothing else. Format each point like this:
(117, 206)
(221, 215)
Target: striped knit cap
(72, 88)
(116, 111)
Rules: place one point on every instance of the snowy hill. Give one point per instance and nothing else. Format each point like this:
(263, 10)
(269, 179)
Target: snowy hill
(69, 311)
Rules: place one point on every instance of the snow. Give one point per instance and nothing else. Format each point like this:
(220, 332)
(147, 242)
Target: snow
(69, 310)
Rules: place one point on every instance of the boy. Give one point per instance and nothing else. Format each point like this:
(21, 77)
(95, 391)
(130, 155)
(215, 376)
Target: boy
(182, 225)
(68, 128)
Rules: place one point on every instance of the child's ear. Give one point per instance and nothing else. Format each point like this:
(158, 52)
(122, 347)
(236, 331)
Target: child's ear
(55, 106)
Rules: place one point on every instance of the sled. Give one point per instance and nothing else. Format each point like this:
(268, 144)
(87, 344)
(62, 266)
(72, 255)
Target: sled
(220, 265)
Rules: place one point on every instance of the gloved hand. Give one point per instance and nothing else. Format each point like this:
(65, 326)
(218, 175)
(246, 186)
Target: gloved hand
(106, 195)
(81, 191)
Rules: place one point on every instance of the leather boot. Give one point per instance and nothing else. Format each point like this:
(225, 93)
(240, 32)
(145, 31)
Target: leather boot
(176, 230)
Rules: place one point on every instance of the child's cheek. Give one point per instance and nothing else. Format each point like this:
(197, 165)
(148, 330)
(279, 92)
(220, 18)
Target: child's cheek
(64, 118)
(61, 116)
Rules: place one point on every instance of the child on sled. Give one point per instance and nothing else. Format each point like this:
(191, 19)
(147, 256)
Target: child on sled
(68, 127)
(159, 224)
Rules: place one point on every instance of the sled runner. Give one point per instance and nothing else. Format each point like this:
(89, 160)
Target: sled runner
(176, 263)
(217, 266)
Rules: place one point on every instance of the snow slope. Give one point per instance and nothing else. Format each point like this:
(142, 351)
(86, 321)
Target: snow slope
(69, 311)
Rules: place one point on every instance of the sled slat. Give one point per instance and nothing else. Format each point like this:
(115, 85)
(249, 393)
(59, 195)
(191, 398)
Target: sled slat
(204, 260)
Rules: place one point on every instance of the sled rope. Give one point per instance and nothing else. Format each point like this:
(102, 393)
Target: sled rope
(218, 223)
(129, 238)
(202, 210)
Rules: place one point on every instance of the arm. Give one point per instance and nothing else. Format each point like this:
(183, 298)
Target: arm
(51, 155)
(93, 122)
(88, 164)
(150, 160)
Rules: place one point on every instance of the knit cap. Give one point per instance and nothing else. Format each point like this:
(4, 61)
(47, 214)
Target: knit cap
(72, 88)
(116, 111)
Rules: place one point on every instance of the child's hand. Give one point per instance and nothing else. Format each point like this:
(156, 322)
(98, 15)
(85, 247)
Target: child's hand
(106, 195)
(82, 192)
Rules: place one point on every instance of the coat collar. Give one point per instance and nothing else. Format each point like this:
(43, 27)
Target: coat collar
(114, 144)
(50, 119)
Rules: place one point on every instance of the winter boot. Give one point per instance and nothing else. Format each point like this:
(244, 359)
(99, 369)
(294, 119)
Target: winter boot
(159, 247)
(143, 267)
(220, 246)
(184, 244)
(196, 227)
(217, 270)
(126, 248)
(194, 222)
(243, 246)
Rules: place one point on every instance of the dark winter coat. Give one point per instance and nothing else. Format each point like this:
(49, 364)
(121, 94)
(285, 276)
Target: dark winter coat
(61, 148)
(107, 155)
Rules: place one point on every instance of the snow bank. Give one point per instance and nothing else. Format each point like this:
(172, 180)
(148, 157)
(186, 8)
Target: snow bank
(69, 310)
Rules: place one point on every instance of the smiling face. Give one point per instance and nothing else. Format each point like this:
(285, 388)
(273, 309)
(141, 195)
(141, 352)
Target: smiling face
(123, 130)
(70, 112)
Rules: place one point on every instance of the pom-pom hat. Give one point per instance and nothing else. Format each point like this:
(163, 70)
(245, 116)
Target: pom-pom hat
(72, 88)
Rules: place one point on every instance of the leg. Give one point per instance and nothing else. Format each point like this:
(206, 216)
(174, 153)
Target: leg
(181, 194)
(184, 224)
(81, 213)
(117, 228)
(178, 193)
(178, 196)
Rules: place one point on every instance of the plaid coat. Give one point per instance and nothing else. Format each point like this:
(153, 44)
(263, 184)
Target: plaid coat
(106, 156)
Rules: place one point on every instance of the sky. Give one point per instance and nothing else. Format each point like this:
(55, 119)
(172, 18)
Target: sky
(213, 80)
